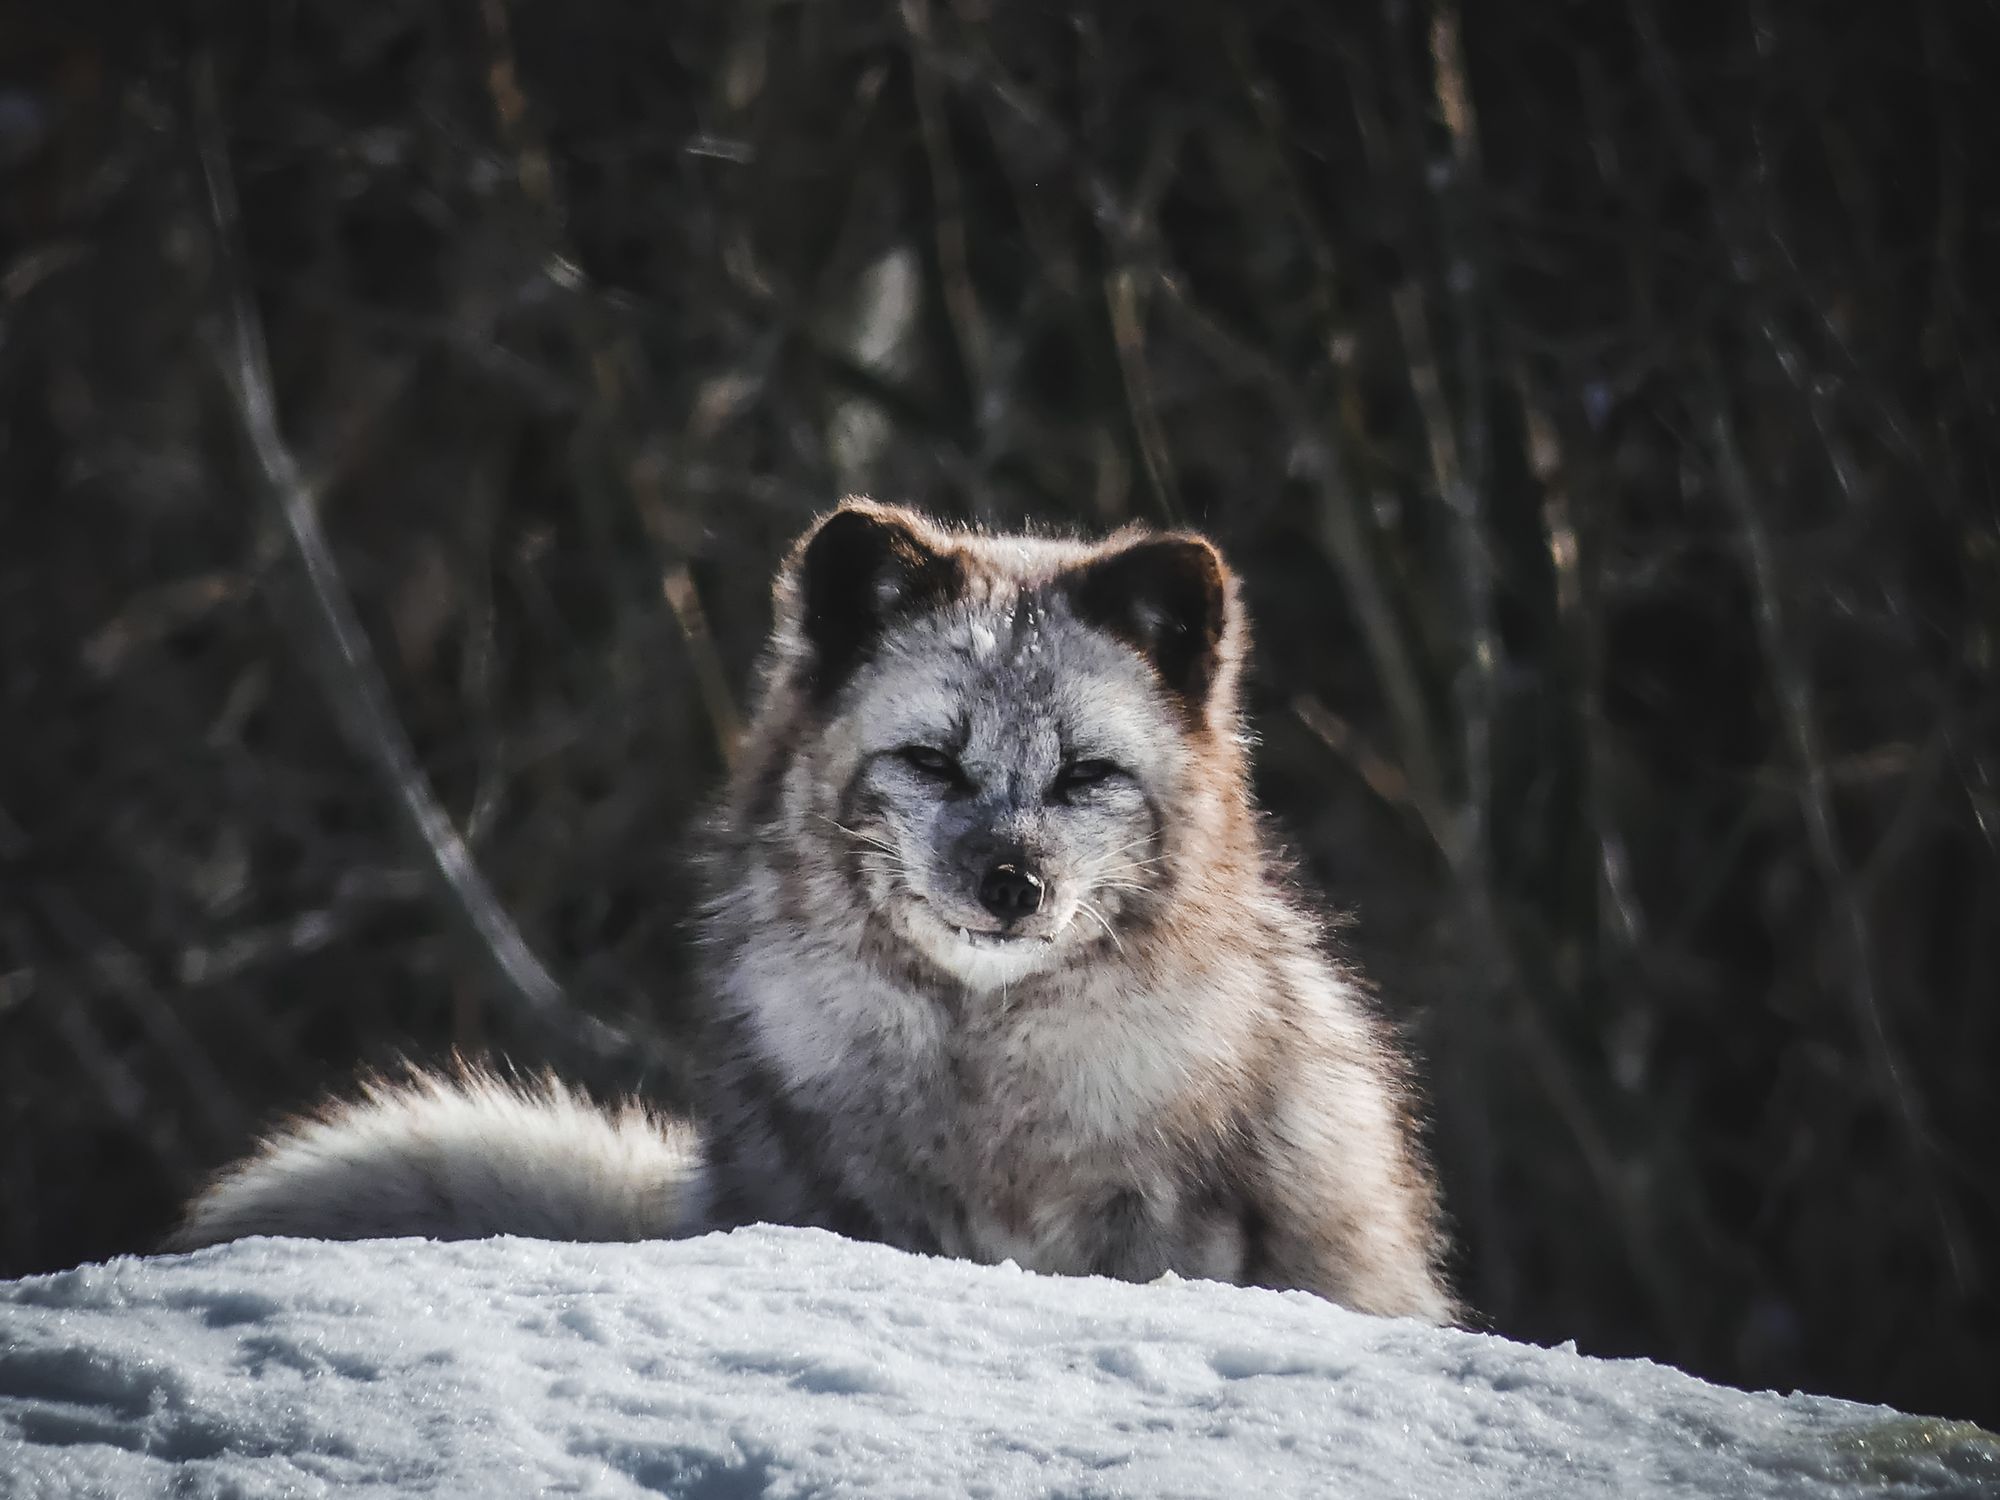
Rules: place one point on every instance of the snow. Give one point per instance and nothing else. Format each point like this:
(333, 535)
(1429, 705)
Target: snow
(775, 1362)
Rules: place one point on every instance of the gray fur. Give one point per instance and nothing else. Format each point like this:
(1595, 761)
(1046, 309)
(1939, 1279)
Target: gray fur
(1158, 1070)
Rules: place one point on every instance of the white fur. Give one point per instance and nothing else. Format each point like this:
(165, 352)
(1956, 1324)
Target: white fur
(461, 1158)
(984, 963)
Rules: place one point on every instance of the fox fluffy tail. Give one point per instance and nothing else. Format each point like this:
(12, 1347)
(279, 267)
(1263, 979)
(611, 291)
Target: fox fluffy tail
(461, 1157)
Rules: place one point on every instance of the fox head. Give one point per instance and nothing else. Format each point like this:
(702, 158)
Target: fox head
(1011, 749)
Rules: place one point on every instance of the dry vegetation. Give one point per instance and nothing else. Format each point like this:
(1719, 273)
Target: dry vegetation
(1599, 399)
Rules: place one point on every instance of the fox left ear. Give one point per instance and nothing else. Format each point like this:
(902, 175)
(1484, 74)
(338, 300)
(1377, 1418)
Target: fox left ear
(1173, 599)
(861, 569)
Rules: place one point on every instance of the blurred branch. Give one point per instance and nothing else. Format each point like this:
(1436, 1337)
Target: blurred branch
(1129, 337)
(1382, 776)
(67, 1013)
(1748, 266)
(341, 649)
(1576, 608)
(1473, 681)
(612, 403)
(1459, 443)
(677, 586)
(1815, 802)
(961, 298)
(1343, 525)
(122, 975)
(1342, 531)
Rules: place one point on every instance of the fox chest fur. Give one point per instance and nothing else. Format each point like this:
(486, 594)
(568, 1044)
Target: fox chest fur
(1042, 1127)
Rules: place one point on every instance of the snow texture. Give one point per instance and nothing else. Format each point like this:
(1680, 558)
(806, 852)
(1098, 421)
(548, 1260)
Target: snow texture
(790, 1363)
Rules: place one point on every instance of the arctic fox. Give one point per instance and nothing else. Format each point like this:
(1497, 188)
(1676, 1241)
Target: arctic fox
(995, 964)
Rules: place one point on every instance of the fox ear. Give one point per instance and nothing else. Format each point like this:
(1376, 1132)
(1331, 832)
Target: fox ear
(1173, 600)
(857, 572)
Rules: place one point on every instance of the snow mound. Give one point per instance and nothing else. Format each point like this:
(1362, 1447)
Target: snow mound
(775, 1362)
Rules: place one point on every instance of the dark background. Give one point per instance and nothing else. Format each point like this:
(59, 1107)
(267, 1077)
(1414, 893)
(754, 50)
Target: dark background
(1598, 399)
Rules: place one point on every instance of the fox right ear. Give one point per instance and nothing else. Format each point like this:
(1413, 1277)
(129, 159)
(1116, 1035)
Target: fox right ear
(1173, 600)
(861, 569)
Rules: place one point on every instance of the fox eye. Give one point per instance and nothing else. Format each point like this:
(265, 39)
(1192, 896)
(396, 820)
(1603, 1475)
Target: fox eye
(1081, 775)
(932, 762)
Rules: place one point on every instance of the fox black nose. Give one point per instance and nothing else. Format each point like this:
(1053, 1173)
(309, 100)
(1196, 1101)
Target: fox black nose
(1011, 891)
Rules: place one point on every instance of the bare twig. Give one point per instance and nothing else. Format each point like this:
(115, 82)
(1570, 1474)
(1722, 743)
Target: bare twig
(1474, 682)
(67, 1011)
(1382, 776)
(1121, 296)
(342, 651)
(683, 599)
(1342, 530)
(121, 973)
(536, 177)
(1815, 800)
(961, 299)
